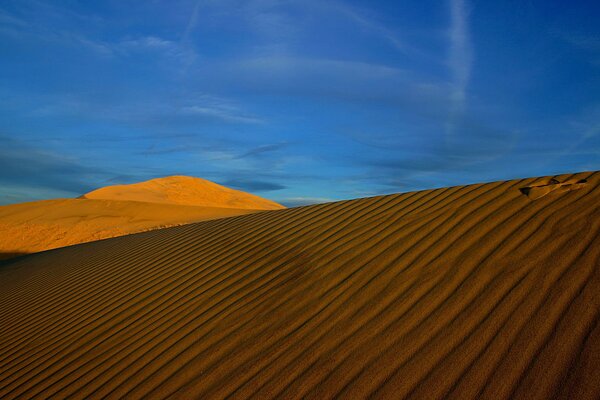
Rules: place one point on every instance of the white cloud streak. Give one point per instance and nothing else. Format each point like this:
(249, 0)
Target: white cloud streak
(221, 113)
(192, 22)
(218, 108)
(304, 201)
(460, 59)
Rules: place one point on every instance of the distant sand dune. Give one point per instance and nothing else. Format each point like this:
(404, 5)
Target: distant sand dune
(464, 293)
(49, 224)
(183, 190)
(119, 210)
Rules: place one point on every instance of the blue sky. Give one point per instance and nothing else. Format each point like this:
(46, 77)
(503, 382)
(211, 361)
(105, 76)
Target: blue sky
(298, 101)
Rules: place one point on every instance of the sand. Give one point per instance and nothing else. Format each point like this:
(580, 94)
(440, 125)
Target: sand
(119, 210)
(472, 292)
(184, 190)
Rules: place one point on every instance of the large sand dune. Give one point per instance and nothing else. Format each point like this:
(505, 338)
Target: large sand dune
(119, 210)
(184, 190)
(487, 291)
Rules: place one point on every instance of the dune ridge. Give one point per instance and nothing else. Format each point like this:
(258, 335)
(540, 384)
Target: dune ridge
(468, 292)
(183, 190)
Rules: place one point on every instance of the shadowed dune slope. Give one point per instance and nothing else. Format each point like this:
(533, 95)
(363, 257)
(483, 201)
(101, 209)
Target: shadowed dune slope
(465, 292)
(48, 224)
(184, 190)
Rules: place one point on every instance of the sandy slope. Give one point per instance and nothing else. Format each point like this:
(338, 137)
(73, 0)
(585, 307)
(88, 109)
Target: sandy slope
(466, 292)
(42, 225)
(184, 190)
(119, 210)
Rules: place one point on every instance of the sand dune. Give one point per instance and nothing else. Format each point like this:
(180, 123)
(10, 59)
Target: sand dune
(473, 292)
(184, 190)
(49, 224)
(42, 225)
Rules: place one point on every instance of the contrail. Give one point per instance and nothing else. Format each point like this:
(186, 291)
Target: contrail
(192, 22)
(460, 60)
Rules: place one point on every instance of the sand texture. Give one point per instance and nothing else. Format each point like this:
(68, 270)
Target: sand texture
(49, 224)
(472, 292)
(42, 225)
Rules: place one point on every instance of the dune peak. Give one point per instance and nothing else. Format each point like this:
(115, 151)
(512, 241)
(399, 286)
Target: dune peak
(183, 190)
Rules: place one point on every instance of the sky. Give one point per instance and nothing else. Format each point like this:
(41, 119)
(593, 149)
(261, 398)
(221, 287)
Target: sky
(301, 101)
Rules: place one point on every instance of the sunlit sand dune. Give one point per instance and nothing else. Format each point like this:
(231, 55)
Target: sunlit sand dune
(119, 210)
(472, 292)
(184, 190)
(48, 224)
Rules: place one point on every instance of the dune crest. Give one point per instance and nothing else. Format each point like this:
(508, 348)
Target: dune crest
(183, 190)
(470, 292)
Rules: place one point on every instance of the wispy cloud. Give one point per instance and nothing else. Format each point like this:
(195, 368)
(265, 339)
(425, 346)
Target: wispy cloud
(192, 107)
(10, 22)
(223, 114)
(267, 148)
(584, 42)
(58, 37)
(54, 31)
(460, 58)
(318, 77)
(253, 185)
(588, 44)
(362, 20)
(220, 109)
(192, 22)
(148, 42)
(304, 201)
(23, 166)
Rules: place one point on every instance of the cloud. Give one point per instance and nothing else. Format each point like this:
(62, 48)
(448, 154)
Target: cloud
(220, 112)
(217, 108)
(148, 43)
(133, 108)
(587, 124)
(268, 148)
(152, 150)
(254, 185)
(21, 28)
(56, 30)
(192, 22)
(281, 23)
(588, 43)
(303, 201)
(280, 68)
(475, 148)
(23, 193)
(580, 140)
(7, 20)
(59, 37)
(367, 23)
(23, 166)
(460, 58)
(341, 80)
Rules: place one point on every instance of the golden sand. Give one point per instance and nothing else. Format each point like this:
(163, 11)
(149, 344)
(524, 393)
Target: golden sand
(119, 210)
(184, 190)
